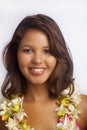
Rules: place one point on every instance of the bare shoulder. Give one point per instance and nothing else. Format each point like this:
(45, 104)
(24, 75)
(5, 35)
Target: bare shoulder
(83, 108)
(84, 97)
(83, 103)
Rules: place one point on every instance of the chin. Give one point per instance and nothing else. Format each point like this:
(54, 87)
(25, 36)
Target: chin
(39, 83)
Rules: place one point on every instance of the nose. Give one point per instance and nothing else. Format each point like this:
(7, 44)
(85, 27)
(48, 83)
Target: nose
(37, 58)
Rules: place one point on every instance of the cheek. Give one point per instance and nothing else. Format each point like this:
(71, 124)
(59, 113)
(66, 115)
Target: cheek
(22, 60)
(52, 62)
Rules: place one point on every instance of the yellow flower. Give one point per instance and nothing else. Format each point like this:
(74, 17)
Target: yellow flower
(61, 112)
(14, 116)
(24, 126)
(65, 101)
(60, 129)
(5, 116)
(16, 107)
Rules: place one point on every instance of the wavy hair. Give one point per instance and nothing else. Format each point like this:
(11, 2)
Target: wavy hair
(62, 76)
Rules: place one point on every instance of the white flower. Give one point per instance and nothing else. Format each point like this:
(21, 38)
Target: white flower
(71, 107)
(20, 115)
(2, 112)
(11, 124)
(9, 104)
(3, 108)
(32, 128)
(67, 112)
(59, 125)
(76, 96)
(15, 101)
(3, 105)
(66, 91)
(57, 108)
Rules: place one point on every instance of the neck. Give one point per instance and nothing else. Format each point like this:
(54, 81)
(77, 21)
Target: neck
(37, 93)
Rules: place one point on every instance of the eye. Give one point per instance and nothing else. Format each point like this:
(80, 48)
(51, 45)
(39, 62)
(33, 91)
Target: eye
(28, 50)
(47, 51)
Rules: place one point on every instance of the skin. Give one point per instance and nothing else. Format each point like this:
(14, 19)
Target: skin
(42, 116)
(33, 54)
(82, 121)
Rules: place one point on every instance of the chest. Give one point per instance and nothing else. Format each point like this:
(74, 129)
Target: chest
(41, 117)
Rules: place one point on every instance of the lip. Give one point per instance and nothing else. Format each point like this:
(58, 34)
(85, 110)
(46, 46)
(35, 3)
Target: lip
(37, 70)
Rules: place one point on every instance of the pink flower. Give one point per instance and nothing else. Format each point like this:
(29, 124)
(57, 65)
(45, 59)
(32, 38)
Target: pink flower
(77, 126)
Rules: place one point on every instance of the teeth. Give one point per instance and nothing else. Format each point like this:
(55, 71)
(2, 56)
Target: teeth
(38, 70)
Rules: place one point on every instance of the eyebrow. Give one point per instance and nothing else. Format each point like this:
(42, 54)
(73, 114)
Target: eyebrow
(25, 45)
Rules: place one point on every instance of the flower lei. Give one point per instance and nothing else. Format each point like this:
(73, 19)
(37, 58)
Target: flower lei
(67, 111)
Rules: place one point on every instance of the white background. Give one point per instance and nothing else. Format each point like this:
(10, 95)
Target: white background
(71, 15)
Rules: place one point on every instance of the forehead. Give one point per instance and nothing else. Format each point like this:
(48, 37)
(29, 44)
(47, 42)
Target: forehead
(35, 35)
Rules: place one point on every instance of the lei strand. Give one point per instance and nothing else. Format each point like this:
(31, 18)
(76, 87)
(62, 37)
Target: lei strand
(67, 111)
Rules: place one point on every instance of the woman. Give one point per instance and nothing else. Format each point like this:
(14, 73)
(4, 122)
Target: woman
(40, 80)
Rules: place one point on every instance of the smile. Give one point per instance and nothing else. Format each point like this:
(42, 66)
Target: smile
(37, 71)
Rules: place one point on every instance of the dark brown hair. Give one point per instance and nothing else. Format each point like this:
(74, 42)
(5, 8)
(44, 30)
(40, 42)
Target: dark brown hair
(62, 76)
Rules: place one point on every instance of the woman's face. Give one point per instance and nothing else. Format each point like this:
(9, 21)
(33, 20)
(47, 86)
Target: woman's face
(34, 58)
